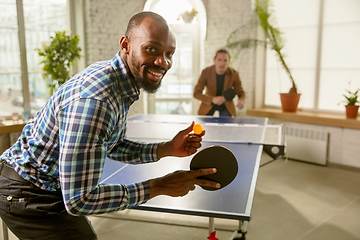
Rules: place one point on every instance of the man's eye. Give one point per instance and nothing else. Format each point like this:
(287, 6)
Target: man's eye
(170, 55)
(151, 49)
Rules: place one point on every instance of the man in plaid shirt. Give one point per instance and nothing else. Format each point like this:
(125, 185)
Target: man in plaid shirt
(50, 177)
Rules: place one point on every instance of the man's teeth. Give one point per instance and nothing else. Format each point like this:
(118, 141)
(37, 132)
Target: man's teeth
(156, 73)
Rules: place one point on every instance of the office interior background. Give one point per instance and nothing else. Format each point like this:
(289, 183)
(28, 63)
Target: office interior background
(321, 44)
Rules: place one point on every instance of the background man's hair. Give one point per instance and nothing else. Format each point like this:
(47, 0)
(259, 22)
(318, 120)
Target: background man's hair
(137, 19)
(222, 50)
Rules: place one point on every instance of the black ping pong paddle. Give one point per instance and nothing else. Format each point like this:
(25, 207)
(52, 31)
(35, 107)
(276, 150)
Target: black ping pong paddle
(220, 158)
(229, 94)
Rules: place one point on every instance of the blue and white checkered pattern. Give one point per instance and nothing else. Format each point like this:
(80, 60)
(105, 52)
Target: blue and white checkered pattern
(64, 145)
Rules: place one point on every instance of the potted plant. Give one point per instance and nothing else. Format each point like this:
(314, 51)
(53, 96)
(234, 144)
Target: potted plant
(351, 100)
(264, 16)
(188, 16)
(58, 58)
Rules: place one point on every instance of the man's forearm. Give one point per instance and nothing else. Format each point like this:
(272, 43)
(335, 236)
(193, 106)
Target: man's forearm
(164, 150)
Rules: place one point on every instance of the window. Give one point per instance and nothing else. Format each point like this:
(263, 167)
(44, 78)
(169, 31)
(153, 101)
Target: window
(340, 58)
(321, 44)
(22, 83)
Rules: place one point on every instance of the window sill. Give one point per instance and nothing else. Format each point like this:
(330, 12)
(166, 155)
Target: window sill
(324, 119)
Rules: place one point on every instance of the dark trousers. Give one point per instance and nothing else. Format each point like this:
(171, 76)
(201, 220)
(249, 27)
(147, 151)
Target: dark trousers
(32, 213)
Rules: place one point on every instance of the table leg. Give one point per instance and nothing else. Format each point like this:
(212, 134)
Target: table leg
(5, 231)
(243, 226)
(240, 234)
(211, 225)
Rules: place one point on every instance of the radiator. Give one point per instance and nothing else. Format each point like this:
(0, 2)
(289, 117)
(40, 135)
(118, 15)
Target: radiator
(306, 145)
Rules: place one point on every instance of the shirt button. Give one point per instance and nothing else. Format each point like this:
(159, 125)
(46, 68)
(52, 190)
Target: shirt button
(9, 198)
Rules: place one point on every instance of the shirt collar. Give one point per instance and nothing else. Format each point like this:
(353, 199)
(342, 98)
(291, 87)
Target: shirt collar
(126, 81)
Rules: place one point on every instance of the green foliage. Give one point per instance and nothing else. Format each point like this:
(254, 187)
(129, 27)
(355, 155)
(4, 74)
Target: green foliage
(263, 17)
(351, 97)
(58, 57)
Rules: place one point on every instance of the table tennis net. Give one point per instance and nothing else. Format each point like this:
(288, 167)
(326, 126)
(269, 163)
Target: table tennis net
(215, 132)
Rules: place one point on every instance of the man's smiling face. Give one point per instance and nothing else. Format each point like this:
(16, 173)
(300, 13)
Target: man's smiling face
(151, 46)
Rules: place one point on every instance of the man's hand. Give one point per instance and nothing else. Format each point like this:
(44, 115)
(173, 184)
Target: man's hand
(179, 183)
(182, 145)
(218, 100)
(240, 104)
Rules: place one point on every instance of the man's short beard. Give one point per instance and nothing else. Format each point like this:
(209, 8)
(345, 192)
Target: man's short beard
(140, 81)
(149, 88)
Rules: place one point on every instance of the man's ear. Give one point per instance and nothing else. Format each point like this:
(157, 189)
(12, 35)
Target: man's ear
(124, 44)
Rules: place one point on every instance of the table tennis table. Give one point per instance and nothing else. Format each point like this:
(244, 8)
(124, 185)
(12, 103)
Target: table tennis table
(243, 136)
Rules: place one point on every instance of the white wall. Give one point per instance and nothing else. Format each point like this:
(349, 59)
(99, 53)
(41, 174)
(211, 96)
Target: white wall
(106, 22)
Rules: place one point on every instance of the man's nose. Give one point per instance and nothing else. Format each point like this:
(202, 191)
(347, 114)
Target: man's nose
(163, 62)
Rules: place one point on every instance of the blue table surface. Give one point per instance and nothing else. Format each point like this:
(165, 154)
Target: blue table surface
(231, 202)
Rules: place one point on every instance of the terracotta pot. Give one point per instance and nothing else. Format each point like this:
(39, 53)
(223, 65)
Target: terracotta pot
(289, 101)
(351, 111)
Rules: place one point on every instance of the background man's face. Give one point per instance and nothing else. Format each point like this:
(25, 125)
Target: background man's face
(221, 62)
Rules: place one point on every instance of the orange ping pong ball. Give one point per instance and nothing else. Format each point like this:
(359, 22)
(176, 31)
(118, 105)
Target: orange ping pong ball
(197, 129)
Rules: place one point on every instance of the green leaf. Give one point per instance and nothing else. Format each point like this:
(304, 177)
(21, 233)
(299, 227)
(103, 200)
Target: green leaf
(264, 16)
(58, 57)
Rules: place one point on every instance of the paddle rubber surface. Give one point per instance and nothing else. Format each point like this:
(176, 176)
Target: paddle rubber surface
(229, 94)
(220, 158)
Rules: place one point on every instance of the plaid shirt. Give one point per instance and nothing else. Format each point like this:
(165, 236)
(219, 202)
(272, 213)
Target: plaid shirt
(64, 145)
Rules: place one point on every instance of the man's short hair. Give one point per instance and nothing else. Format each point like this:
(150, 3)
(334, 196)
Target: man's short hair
(137, 19)
(222, 50)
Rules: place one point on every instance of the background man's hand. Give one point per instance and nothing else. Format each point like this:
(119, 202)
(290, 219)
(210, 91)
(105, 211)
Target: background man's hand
(179, 183)
(240, 104)
(218, 100)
